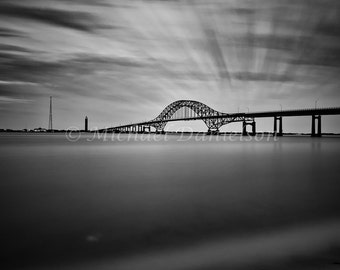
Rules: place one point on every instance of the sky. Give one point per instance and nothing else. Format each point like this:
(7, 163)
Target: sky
(123, 61)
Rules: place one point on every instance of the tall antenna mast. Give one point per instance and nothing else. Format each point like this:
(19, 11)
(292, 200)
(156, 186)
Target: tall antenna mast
(50, 125)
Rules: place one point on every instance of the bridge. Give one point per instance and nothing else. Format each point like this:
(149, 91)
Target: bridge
(190, 110)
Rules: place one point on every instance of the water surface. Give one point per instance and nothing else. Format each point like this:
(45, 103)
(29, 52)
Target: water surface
(169, 202)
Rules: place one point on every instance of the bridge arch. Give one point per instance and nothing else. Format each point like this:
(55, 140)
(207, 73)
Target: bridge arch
(200, 109)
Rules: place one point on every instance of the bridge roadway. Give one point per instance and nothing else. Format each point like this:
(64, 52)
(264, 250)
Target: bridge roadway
(214, 119)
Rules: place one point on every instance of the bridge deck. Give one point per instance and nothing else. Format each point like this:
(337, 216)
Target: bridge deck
(303, 112)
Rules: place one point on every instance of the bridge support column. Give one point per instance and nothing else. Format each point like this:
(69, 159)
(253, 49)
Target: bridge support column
(244, 128)
(213, 132)
(253, 128)
(160, 131)
(145, 128)
(318, 132)
(280, 133)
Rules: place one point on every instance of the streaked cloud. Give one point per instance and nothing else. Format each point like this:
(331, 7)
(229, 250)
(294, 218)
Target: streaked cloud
(16, 83)
(13, 100)
(82, 21)
(141, 55)
(7, 32)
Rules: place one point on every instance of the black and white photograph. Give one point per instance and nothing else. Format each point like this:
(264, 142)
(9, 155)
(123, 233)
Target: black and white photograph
(170, 134)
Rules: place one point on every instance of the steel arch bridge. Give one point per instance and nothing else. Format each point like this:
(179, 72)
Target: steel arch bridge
(187, 110)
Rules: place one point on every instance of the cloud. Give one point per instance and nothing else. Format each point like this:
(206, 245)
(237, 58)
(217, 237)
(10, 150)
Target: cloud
(240, 11)
(327, 57)
(4, 99)
(250, 76)
(95, 76)
(82, 21)
(161, 51)
(10, 33)
(16, 83)
(14, 48)
(103, 3)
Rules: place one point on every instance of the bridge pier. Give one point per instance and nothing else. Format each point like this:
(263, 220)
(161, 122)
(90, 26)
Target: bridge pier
(146, 128)
(280, 133)
(253, 126)
(214, 132)
(318, 132)
(244, 128)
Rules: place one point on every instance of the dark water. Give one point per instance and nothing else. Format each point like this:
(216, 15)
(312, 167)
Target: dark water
(169, 202)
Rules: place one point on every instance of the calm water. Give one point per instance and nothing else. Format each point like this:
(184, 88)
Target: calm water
(169, 202)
